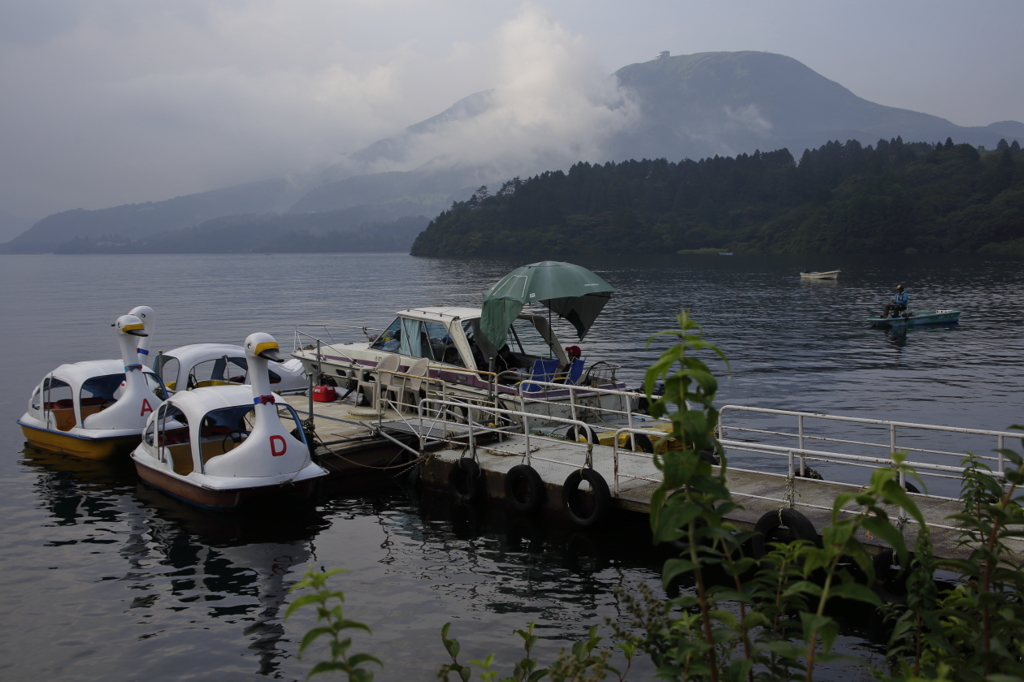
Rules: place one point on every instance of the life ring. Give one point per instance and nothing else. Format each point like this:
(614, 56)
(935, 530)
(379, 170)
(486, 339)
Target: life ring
(574, 434)
(764, 530)
(524, 488)
(464, 479)
(586, 512)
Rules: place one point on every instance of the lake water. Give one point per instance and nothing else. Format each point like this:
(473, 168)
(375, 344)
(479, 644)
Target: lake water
(103, 578)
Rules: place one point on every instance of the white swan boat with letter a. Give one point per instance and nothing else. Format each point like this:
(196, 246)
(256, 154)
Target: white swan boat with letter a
(97, 408)
(219, 446)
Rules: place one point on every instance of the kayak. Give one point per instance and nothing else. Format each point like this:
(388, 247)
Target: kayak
(909, 319)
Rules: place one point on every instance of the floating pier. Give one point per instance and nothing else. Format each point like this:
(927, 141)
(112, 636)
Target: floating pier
(526, 459)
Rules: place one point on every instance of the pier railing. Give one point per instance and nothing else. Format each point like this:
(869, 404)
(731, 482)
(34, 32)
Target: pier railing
(865, 435)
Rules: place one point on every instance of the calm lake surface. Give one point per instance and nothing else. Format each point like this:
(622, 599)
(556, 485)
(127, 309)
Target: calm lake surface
(103, 578)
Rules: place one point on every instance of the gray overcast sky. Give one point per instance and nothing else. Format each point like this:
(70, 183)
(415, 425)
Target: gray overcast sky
(116, 101)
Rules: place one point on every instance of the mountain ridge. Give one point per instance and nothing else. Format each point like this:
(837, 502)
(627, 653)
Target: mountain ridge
(691, 106)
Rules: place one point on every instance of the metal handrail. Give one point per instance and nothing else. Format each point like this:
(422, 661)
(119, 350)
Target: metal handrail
(891, 424)
(472, 427)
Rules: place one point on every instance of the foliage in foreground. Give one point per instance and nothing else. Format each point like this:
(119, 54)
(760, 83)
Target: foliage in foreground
(329, 610)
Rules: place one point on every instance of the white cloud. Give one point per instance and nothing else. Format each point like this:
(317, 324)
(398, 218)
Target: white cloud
(552, 104)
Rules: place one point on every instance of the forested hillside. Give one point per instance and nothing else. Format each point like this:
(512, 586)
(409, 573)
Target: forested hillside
(839, 198)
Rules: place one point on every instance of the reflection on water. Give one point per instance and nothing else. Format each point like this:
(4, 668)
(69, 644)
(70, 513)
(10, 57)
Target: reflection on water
(103, 578)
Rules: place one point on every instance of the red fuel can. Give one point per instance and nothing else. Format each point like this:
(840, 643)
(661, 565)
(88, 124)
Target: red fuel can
(324, 394)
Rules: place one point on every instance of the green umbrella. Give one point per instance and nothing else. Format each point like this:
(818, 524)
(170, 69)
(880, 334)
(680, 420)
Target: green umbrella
(574, 293)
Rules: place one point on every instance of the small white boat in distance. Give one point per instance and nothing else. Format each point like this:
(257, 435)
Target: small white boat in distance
(95, 409)
(829, 274)
(218, 447)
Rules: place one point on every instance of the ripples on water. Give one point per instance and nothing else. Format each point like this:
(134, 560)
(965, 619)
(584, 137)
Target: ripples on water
(102, 577)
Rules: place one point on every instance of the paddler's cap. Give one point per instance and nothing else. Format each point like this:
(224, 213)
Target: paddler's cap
(899, 287)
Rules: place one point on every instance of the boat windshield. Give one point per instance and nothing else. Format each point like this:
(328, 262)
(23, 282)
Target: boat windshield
(418, 339)
(524, 339)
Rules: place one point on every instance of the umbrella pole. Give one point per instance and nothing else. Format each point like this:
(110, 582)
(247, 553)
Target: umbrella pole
(551, 333)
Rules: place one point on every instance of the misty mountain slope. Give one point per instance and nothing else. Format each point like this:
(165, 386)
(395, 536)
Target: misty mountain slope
(270, 233)
(735, 102)
(397, 148)
(427, 192)
(136, 221)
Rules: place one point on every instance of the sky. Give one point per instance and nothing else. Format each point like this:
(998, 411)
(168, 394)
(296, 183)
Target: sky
(105, 102)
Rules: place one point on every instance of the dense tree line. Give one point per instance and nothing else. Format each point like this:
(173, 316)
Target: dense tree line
(839, 198)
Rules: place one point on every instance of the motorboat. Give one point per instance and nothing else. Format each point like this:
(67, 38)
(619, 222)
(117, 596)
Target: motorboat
(95, 409)
(447, 347)
(828, 274)
(500, 354)
(220, 446)
(916, 319)
(199, 365)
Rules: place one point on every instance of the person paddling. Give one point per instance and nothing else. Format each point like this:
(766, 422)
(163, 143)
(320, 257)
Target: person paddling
(899, 303)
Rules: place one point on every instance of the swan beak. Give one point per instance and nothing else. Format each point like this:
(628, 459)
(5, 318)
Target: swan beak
(269, 350)
(135, 329)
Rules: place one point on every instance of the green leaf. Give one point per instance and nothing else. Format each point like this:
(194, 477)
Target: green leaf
(300, 602)
(311, 635)
(857, 592)
(674, 568)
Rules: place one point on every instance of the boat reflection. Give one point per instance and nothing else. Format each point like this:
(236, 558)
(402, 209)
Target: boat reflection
(184, 565)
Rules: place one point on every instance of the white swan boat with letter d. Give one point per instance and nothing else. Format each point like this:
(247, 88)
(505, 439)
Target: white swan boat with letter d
(97, 408)
(219, 446)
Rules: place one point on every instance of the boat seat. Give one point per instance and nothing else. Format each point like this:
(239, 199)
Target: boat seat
(575, 372)
(181, 458)
(543, 370)
(412, 384)
(64, 418)
(385, 379)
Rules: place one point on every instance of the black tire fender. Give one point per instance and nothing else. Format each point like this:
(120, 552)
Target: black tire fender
(574, 434)
(799, 526)
(464, 479)
(644, 443)
(890, 579)
(576, 506)
(524, 488)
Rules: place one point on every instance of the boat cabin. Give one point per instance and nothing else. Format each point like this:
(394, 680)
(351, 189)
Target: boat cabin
(67, 396)
(452, 336)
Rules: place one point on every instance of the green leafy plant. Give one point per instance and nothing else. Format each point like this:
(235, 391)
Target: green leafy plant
(329, 611)
(975, 630)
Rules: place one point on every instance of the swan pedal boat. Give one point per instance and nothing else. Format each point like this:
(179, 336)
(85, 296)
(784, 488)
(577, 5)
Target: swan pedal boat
(95, 409)
(218, 447)
(909, 319)
(198, 365)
